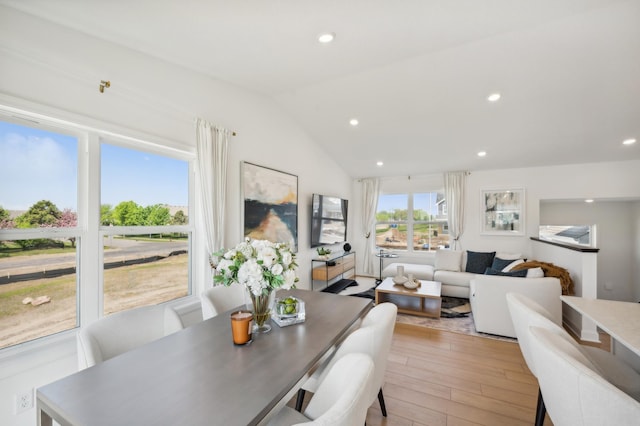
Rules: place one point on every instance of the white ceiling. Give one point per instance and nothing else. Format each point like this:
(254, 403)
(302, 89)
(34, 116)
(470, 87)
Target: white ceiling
(416, 73)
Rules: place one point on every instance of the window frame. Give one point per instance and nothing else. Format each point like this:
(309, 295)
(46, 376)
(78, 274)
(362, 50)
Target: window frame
(88, 232)
(410, 222)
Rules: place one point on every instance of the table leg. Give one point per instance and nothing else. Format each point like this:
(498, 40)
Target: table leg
(44, 419)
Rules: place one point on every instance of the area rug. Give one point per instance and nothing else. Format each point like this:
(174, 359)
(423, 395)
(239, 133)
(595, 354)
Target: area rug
(456, 315)
(463, 325)
(455, 307)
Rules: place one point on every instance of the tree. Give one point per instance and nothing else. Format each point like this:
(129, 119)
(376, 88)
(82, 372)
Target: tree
(382, 216)
(156, 215)
(68, 219)
(180, 218)
(106, 215)
(400, 214)
(128, 213)
(42, 213)
(4, 214)
(5, 219)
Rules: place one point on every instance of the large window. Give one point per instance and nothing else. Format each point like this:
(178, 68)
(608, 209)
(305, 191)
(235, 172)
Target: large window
(144, 218)
(38, 232)
(412, 222)
(87, 227)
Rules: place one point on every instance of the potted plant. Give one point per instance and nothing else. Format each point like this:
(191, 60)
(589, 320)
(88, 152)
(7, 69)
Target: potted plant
(323, 252)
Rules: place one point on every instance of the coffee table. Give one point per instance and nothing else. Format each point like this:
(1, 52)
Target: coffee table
(424, 301)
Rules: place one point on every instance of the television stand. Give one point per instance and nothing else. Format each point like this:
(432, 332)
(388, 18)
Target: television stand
(340, 266)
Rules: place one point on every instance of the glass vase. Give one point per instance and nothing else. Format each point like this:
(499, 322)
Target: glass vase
(261, 312)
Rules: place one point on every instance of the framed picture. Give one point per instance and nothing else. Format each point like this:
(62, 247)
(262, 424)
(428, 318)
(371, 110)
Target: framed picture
(503, 212)
(270, 204)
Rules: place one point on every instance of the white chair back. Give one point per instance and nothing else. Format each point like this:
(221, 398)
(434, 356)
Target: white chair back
(182, 316)
(383, 320)
(342, 397)
(574, 393)
(372, 338)
(120, 332)
(525, 312)
(221, 298)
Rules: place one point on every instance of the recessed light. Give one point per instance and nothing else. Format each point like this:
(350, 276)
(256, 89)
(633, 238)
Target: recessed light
(379, 163)
(493, 97)
(628, 142)
(354, 122)
(482, 153)
(326, 38)
(588, 200)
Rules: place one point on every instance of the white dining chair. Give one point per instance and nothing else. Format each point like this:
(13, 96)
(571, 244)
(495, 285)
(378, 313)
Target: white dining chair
(575, 393)
(526, 312)
(182, 316)
(221, 298)
(372, 338)
(341, 399)
(120, 332)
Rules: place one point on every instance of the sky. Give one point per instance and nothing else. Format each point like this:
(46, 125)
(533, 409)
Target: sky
(41, 165)
(425, 201)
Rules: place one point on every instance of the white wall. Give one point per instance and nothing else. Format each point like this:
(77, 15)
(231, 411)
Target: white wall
(581, 181)
(55, 71)
(635, 261)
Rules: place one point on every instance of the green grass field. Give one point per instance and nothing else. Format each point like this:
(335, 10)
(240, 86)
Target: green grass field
(125, 287)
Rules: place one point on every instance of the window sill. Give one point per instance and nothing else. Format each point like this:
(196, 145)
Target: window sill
(28, 355)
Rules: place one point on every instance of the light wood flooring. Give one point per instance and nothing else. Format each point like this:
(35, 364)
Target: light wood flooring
(441, 378)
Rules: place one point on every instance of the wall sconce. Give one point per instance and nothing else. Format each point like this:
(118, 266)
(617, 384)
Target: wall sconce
(104, 84)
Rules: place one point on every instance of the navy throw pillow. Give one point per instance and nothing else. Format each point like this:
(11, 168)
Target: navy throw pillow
(521, 274)
(477, 262)
(500, 264)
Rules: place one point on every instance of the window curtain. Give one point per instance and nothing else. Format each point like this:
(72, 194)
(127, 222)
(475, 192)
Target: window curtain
(370, 192)
(212, 145)
(454, 189)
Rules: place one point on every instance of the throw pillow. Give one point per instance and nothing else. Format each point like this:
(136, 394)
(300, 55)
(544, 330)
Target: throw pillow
(501, 264)
(448, 260)
(477, 262)
(505, 265)
(520, 274)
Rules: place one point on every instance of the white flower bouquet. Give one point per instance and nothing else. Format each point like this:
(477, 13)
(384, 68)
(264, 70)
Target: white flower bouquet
(260, 265)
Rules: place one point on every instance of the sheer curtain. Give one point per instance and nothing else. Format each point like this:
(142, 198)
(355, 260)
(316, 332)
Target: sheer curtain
(211, 144)
(454, 189)
(370, 192)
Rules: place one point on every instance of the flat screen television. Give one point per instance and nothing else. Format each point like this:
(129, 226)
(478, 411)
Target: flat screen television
(328, 220)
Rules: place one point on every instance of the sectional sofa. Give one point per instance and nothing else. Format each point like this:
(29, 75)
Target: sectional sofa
(485, 278)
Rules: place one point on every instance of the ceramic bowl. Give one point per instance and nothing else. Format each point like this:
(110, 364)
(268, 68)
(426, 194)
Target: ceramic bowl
(400, 280)
(412, 284)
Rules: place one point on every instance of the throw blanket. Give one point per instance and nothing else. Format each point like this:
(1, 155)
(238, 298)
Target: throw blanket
(550, 270)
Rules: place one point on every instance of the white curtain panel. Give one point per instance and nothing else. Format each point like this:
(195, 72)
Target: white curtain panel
(212, 145)
(370, 190)
(454, 191)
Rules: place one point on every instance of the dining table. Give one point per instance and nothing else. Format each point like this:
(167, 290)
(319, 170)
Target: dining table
(198, 376)
(621, 320)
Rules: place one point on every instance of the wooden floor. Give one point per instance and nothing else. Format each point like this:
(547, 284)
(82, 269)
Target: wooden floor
(441, 378)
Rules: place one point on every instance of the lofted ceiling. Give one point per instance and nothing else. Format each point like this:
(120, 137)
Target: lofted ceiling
(415, 73)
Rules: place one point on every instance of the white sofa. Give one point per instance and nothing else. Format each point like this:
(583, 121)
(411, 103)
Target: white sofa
(449, 268)
(486, 293)
(489, 304)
